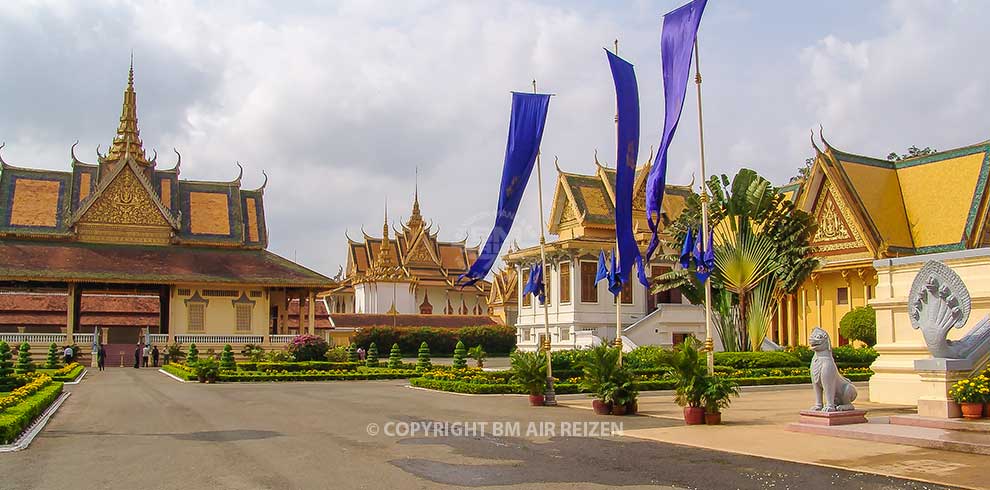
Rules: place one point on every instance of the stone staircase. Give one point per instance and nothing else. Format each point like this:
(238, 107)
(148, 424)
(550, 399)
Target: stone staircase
(961, 435)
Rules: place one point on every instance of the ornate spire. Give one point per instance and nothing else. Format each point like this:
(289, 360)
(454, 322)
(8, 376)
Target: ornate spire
(385, 259)
(128, 139)
(416, 219)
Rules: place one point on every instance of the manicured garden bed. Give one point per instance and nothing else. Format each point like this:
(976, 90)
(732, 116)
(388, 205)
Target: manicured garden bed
(65, 374)
(22, 410)
(352, 373)
(472, 381)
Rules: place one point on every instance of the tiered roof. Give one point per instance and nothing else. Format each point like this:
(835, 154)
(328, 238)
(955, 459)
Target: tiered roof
(124, 220)
(868, 208)
(582, 214)
(416, 254)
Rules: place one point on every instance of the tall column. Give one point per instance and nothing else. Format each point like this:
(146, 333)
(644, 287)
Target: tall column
(312, 312)
(165, 311)
(792, 336)
(71, 312)
(803, 313)
(780, 321)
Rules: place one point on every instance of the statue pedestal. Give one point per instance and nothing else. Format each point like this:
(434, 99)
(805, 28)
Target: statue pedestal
(846, 417)
(937, 376)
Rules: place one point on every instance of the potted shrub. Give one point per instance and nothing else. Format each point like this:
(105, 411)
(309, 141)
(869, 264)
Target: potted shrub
(529, 369)
(207, 369)
(602, 376)
(970, 394)
(717, 396)
(622, 394)
(691, 377)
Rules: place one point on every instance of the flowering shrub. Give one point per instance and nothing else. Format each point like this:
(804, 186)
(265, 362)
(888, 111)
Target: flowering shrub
(308, 348)
(16, 418)
(972, 390)
(66, 370)
(19, 394)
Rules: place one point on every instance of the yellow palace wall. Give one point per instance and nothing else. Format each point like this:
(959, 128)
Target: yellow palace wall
(818, 304)
(220, 316)
(898, 343)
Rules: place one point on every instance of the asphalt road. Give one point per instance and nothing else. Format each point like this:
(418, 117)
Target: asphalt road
(138, 429)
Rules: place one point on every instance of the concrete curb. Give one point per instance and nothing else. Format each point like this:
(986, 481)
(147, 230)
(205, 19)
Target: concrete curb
(34, 429)
(170, 375)
(411, 387)
(78, 378)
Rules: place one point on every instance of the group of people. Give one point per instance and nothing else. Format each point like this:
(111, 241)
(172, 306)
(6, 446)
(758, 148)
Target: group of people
(143, 354)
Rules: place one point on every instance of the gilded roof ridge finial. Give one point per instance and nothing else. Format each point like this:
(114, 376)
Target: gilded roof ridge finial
(813, 144)
(128, 134)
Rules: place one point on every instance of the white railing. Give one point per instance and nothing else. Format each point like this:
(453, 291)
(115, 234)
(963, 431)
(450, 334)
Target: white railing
(83, 338)
(280, 339)
(34, 338)
(159, 338)
(218, 339)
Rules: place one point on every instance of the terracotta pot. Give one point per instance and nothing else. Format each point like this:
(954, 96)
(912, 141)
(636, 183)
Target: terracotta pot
(536, 400)
(601, 408)
(694, 415)
(618, 409)
(713, 418)
(632, 407)
(972, 410)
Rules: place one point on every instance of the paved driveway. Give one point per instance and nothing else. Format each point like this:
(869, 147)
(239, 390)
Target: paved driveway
(137, 429)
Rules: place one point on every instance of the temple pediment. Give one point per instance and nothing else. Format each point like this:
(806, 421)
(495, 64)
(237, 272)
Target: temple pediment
(125, 210)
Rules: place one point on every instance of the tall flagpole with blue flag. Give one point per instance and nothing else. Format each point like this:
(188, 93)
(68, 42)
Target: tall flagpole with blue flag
(677, 41)
(627, 150)
(526, 123)
(550, 397)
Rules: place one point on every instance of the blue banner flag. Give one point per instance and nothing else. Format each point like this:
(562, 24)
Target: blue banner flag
(526, 122)
(680, 27)
(602, 267)
(534, 285)
(627, 150)
(687, 249)
(614, 282)
(705, 259)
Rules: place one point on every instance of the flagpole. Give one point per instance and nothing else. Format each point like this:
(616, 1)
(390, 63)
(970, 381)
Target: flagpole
(618, 298)
(550, 398)
(709, 343)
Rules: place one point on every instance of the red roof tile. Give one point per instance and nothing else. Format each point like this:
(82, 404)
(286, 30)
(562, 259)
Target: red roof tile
(354, 320)
(53, 261)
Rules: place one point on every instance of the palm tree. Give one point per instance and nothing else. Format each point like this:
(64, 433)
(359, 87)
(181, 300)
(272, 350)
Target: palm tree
(761, 253)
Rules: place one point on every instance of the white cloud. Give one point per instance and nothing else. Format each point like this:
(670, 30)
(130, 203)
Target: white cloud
(339, 104)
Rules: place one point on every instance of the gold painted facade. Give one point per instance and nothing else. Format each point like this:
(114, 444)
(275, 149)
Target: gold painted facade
(868, 209)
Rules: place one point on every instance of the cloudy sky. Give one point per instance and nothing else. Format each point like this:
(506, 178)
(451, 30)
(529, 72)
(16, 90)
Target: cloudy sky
(340, 103)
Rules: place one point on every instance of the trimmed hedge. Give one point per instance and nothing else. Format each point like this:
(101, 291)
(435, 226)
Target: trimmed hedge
(15, 419)
(298, 366)
(179, 371)
(570, 388)
(317, 375)
(68, 373)
(498, 339)
(743, 360)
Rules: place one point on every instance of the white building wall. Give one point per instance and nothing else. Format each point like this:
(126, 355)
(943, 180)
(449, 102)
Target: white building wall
(578, 324)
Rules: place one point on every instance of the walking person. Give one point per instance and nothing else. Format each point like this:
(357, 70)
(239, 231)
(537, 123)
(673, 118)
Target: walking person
(154, 355)
(145, 353)
(101, 357)
(67, 354)
(137, 356)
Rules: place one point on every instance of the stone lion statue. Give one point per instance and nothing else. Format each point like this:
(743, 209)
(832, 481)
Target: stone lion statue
(833, 392)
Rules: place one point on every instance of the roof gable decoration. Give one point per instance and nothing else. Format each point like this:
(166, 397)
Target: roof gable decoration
(564, 212)
(840, 229)
(125, 198)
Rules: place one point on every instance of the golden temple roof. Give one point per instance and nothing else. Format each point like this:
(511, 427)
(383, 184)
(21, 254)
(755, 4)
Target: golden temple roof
(415, 251)
(918, 205)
